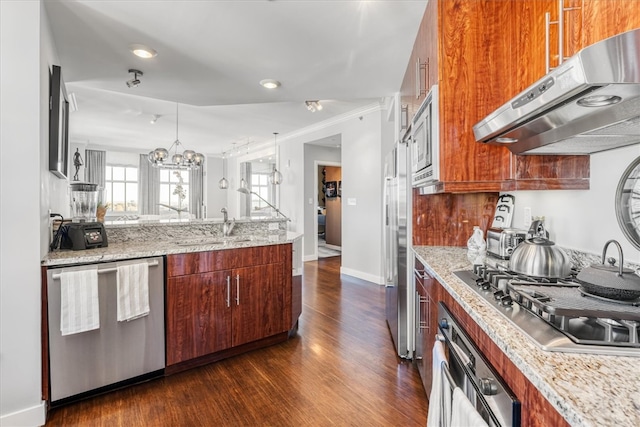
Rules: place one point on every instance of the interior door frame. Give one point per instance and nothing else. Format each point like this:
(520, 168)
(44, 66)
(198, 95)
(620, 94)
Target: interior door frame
(316, 165)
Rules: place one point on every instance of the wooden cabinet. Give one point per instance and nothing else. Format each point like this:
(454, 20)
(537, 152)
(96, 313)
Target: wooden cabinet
(220, 300)
(481, 53)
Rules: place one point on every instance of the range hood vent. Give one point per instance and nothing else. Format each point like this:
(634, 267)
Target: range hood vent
(590, 103)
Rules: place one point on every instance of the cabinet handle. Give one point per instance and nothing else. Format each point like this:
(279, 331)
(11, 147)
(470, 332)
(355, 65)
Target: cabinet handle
(424, 324)
(421, 66)
(547, 42)
(237, 289)
(418, 313)
(228, 291)
(547, 27)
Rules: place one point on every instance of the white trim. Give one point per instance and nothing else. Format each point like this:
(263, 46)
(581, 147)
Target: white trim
(29, 417)
(312, 257)
(378, 280)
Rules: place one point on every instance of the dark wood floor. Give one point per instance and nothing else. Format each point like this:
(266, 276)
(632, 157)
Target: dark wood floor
(340, 370)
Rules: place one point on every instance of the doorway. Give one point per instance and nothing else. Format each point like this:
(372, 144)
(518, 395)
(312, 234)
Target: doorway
(329, 202)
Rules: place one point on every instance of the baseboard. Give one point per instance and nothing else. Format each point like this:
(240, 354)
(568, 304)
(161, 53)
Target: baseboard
(29, 417)
(313, 257)
(378, 280)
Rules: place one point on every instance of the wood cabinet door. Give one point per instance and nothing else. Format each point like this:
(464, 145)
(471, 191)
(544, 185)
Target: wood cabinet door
(475, 73)
(198, 315)
(258, 302)
(606, 18)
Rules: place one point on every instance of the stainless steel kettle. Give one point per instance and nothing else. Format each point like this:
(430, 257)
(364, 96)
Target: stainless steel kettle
(538, 256)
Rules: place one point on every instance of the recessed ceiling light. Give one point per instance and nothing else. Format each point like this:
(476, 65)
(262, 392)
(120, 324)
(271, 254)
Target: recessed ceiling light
(142, 51)
(269, 83)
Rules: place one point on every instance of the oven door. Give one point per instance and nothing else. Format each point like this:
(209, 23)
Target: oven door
(469, 370)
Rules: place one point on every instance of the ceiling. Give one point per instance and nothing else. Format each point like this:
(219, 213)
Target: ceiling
(349, 54)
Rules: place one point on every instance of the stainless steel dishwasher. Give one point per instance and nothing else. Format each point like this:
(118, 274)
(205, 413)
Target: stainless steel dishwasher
(117, 352)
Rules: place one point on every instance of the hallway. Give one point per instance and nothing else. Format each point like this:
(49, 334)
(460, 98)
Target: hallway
(339, 370)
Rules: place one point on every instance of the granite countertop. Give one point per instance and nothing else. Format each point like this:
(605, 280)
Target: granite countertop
(142, 249)
(587, 390)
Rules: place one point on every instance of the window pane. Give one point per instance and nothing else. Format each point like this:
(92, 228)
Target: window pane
(164, 175)
(132, 196)
(264, 179)
(255, 180)
(164, 193)
(107, 175)
(132, 174)
(118, 173)
(118, 197)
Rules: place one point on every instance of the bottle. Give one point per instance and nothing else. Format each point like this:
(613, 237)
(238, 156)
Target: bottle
(476, 242)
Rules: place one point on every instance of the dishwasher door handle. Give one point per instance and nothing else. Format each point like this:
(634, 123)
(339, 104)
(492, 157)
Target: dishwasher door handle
(105, 270)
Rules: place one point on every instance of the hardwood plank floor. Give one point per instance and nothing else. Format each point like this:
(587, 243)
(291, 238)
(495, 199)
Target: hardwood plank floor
(339, 370)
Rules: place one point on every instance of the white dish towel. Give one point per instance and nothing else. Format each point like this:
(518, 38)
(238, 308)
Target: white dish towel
(463, 413)
(79, 304)
(133, 291)
(439, 414)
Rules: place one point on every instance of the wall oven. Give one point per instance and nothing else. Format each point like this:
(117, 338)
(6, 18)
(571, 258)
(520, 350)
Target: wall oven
(425, 141)
(469, 370)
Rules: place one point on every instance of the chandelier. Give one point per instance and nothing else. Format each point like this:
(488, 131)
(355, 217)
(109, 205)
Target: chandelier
(187, 159)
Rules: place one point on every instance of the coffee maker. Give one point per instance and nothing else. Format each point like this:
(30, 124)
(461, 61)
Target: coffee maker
(84, 232)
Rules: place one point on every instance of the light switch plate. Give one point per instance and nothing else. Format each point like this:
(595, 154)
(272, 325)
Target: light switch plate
(351, 201)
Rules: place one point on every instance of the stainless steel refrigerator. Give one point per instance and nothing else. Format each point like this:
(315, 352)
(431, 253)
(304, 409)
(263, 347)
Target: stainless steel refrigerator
(397, 226)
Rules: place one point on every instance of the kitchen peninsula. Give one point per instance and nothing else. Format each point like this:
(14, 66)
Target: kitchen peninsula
(223, 295)
(554, 388)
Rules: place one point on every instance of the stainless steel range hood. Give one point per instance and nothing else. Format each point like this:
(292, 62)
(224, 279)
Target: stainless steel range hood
(590, 103)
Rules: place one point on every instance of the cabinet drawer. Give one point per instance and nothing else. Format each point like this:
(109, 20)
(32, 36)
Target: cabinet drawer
(204, 262)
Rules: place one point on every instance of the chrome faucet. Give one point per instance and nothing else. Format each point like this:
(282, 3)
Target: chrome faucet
(227, 226)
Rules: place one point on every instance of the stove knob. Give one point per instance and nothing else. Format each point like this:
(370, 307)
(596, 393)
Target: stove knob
(444, 323)
(486, 286)
(498, 295)
(479, 282)
(488, 386)
(506, 300)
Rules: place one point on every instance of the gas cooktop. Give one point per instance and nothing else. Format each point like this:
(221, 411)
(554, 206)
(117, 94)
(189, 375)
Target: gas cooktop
(556, 315)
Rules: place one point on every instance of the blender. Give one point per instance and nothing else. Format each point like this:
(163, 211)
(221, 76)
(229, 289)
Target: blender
(84, 232)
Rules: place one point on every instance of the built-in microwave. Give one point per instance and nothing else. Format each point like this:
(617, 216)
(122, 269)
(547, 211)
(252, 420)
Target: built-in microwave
(425, 145)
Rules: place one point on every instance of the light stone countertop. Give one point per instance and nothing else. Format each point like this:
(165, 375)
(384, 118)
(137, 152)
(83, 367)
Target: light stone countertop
(150, 248)
(587, 390)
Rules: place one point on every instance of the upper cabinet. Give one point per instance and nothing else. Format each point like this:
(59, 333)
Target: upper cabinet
(481, 53)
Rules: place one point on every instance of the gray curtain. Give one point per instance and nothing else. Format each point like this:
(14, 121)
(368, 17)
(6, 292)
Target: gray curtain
(95, 167)
(196, 191)
(148, 187)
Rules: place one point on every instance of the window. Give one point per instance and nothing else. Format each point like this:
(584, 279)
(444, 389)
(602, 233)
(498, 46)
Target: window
(121, 188)
(260, 185)
(174, 190)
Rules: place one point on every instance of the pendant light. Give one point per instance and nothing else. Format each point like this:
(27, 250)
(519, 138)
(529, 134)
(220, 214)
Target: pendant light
(188, 159)
(275, 177)
(223, 184)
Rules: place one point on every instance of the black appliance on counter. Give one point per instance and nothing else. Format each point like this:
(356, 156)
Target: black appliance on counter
(556, 314)
(83, 235)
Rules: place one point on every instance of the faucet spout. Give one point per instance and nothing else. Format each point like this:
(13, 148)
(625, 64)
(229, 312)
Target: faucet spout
(228, 227)
(224, 213)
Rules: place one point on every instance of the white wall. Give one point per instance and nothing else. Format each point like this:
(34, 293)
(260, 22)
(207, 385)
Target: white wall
(584, 220)
(24, 83)
(361, 135)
